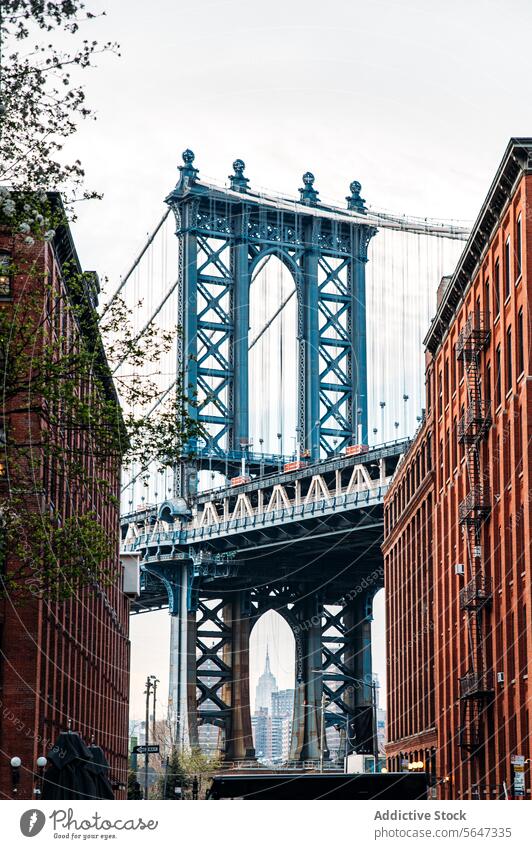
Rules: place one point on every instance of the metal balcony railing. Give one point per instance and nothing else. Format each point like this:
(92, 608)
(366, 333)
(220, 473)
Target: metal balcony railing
(475, 423)
(470, 736)
(476, 593)
(474, 335)
(475, 506)
(476, 685)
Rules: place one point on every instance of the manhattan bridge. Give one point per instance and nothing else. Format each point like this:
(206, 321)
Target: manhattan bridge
(299, 327)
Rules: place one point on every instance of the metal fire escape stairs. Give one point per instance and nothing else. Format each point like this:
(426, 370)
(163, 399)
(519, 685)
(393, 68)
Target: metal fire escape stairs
(476, 686)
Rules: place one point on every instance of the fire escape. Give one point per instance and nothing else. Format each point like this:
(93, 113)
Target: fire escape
(476, 686)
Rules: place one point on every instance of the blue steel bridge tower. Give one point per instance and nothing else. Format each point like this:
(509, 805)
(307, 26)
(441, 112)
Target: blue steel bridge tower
(225, 235)
(296, 542)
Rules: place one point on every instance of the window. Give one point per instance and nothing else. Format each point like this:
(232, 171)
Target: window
(497, 287)
(508, 359)
(518, 248)
(507, 268)
(446, 381)
(487, 389)
(487, 305)
(520, 343)
(440, 395)
(498, 395)
(5, 275)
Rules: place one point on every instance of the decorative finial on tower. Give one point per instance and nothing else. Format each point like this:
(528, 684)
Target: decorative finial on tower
(354, 201)
(239, 183)
(308, 193)
(188, 170)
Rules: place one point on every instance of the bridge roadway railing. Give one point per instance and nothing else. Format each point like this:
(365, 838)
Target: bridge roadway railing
(364, 494)
(193, 534)
(395, 448)
(288, 766)
(315, 490)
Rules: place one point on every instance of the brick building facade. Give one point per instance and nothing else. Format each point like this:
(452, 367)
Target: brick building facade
(411, 729)
(479, 423)
(62, 663)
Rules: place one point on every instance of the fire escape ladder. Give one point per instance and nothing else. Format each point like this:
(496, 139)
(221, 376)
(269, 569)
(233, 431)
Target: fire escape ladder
(476, 686)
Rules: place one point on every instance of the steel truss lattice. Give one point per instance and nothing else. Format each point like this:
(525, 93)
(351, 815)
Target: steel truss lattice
(225, 236)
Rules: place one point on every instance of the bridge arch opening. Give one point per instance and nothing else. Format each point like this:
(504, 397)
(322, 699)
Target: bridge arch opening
(272, 681)
(273, 357)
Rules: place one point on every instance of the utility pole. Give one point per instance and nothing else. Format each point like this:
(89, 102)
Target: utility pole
(155, 682)
(147, 692)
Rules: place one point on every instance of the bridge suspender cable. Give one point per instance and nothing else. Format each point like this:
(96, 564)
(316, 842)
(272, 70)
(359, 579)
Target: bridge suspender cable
(263, 330)
(136, 262)
(150, 320)
(148, 414)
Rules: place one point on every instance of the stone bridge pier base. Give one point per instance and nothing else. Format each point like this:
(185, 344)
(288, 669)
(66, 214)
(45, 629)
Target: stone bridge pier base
(307, 722)
(239, 737)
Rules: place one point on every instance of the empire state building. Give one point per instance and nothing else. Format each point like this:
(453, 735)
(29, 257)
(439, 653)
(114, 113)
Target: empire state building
(266, 686)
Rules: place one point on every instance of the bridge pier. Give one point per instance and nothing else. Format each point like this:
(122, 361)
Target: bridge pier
(182, 683)
(358, 619)
(239, 736)
(306, 725)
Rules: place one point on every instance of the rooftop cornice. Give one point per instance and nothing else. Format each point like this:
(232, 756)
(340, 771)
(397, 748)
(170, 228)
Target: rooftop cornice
(517, 160)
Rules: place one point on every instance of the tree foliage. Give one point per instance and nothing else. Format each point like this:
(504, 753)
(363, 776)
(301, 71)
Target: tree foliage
(183, 768)
(42, 99)
(63, 378)
(134, 790)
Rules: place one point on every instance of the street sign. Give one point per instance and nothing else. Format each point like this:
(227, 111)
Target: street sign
(152, 749)
(518, 762)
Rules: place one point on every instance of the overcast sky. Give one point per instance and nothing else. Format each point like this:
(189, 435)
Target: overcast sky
(416, 100)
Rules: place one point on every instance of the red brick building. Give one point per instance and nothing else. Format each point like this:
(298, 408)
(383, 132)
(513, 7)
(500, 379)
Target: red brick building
(479, 423)
(61, 662)
(409, 577)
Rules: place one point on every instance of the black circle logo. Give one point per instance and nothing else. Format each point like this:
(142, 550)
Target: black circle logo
(32, 822)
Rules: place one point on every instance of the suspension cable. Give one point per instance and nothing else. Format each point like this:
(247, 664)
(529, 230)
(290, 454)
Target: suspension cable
(135, 263)
(148, 323)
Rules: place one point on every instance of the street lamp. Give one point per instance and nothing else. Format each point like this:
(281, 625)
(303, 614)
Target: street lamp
(41, 763)
(16, 763)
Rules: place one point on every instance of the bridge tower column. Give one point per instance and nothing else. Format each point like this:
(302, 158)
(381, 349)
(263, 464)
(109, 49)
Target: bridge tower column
(239, 434)
(239, 739)
(185, 479)
(359, 415)
(358, 617)
(182, 684)
(306, 725)
(309, 415)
